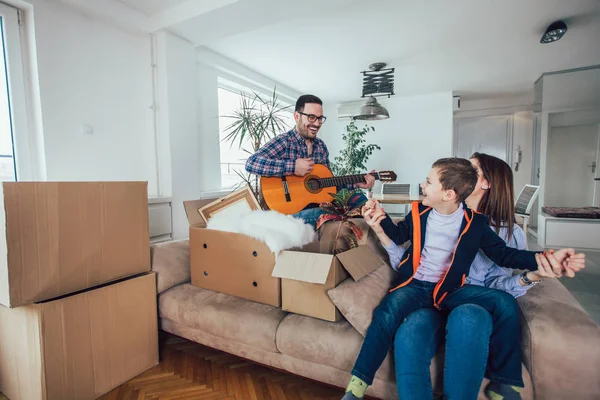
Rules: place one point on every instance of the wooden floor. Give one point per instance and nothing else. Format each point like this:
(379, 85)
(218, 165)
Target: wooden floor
(189, 370)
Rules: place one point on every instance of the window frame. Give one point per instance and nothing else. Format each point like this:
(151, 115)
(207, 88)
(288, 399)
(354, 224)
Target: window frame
(12, 24)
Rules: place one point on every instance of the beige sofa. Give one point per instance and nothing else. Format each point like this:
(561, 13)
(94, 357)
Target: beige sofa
(561, 343)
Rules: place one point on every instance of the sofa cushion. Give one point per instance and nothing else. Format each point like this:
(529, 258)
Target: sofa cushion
(222, 315)
(356, 300)
(557, 331)
(335, 344)
(171, 262)
(573, 212)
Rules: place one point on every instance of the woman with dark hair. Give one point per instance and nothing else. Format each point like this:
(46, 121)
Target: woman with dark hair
(468, 328)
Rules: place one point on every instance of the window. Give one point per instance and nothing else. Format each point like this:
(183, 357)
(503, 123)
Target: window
(14, 154)
(233, 157)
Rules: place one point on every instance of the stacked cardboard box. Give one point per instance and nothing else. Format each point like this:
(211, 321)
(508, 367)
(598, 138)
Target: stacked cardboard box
(78, 314)
(297, 281)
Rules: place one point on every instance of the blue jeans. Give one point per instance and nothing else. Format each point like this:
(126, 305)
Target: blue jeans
(468, 330)
(311, 215)
(505, 345)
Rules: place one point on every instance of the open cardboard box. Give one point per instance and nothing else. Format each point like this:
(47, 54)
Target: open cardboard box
(227, 262)
(308, 274)
(241, 266)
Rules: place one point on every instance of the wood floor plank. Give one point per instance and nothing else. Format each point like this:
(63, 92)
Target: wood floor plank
(233, 376)
(188, 370)
(251, 387)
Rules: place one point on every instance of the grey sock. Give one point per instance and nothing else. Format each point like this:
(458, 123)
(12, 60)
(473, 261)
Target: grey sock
(350, 396)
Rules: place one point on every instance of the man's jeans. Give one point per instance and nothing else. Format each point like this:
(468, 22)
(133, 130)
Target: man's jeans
(505, 341)
(311, 215)
(468, 330)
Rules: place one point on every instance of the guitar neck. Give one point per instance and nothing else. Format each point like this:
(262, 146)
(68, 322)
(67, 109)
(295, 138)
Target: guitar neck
(345, 180)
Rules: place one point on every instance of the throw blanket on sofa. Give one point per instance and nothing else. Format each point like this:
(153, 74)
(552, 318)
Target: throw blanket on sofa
(278, 231)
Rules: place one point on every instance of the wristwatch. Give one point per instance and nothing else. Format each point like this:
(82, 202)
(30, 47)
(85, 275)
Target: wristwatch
(527, 281)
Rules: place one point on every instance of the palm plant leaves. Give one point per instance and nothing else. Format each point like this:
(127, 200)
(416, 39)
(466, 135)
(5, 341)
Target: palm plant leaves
(257, 120)
(247, 179)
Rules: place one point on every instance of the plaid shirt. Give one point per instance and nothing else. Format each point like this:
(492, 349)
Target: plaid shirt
(278, 156)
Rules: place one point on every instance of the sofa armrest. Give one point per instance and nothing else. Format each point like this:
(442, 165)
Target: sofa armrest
(171, 262)
(560, 343)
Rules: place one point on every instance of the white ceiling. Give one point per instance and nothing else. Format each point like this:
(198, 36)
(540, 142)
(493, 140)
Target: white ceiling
(151, 7)
(475, 48)
(478, 49)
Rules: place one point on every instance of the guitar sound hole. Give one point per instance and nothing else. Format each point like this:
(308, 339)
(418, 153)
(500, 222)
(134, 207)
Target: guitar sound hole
(312, 184)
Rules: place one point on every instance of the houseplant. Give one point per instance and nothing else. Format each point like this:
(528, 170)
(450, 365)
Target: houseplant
(339, 210)
(354, 155)
(352, 160)
(258, 119)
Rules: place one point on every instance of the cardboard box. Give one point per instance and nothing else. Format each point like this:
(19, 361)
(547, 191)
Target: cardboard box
(308, 274)
(330, 230)
(230, 263)
(80, 346)
(57, 238)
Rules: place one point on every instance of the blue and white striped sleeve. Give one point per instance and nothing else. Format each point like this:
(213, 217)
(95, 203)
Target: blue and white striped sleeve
(502, 278)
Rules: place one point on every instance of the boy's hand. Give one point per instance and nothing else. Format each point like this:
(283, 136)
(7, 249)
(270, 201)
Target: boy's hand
(371, 204)
(373, 217)
(553, 264)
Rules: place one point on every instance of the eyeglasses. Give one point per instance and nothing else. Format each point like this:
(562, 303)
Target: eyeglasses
(313, 117)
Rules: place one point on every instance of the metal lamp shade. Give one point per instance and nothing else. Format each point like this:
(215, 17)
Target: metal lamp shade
(372, 111)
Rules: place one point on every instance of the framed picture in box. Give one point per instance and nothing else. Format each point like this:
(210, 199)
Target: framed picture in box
(234, 202)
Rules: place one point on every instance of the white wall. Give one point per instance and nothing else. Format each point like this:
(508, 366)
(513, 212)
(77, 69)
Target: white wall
(568, 91)
(518, 107)
(523, 138)
(179, 141)
(496, 106)
(95, 74)
(571, 90)
(418, 132)
(208, 111)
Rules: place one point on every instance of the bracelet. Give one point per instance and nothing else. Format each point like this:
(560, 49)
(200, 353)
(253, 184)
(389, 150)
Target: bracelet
(527, 281)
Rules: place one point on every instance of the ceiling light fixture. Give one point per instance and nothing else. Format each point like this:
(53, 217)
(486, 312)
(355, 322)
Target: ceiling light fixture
(379, 81)
(555, 31)
(372, 111)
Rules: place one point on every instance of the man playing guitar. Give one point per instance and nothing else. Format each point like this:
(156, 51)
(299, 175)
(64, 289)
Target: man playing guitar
(297, 151)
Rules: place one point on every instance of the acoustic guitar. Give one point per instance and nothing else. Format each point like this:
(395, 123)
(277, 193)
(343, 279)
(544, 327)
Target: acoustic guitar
(290, 194)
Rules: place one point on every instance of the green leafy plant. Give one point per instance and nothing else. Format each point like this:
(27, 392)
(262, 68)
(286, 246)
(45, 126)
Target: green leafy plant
(341, 210)
(258, 119)
(354, 156)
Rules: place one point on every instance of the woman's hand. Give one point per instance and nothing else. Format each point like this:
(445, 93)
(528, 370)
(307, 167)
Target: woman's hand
(555, 264)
